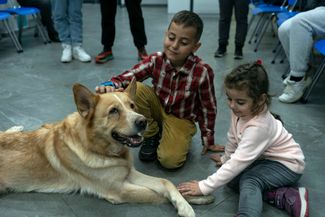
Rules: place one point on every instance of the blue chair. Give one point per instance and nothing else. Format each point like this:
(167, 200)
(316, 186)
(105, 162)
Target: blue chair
(4, 18)
(22, 12)
(266, 13)
(319, 47)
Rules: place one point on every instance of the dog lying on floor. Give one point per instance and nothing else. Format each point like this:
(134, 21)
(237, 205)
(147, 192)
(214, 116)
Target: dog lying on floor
(86, 152)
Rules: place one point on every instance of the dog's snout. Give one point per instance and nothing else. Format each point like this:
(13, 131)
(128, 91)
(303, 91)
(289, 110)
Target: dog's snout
(141, 123)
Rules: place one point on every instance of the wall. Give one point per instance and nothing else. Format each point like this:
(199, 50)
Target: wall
(199, 6)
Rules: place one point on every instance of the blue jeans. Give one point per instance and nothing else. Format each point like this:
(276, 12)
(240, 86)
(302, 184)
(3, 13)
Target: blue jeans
(67, 18)
(261, 176)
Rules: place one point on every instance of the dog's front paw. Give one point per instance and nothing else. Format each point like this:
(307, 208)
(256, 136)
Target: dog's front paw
(200, 200)
(185, 210)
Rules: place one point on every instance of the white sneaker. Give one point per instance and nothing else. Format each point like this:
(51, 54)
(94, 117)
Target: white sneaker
(293, 91)
(66, 53)
(79, 53)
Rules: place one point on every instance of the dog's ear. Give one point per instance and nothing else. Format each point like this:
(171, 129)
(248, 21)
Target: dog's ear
(132, 88)
(85, 100)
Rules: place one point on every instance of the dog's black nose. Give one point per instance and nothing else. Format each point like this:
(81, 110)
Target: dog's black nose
(141, 123)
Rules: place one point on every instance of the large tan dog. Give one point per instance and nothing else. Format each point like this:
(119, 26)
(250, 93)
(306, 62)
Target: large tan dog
(87, 151)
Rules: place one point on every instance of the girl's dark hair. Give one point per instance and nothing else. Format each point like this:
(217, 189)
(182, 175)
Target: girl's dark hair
(189, 19)
(253, 78)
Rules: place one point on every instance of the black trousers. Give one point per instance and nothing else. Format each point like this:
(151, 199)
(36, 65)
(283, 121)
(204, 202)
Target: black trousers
(46, 13)
(108, 12)
(241, 8)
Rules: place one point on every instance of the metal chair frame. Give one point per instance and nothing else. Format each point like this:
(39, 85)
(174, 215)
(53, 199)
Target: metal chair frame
(4, 18)
(21, 12)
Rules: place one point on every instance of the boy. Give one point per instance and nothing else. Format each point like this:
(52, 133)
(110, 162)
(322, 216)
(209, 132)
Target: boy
(182, 93)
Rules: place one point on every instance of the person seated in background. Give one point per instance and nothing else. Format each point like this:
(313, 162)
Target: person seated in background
(297, 37)
(46, 15)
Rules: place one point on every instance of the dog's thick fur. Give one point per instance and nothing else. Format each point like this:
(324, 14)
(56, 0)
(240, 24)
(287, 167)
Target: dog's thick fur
(86, 152)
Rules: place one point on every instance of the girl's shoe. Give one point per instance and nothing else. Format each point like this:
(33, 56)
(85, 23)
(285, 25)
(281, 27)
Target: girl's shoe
(293, 200)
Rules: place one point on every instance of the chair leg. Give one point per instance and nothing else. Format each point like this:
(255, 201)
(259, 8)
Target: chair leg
(278, 52)
(20, 27)
(316, 77)
(250, 22)
(41, 29)
(260, 28)
(263, 30)
(286, 73)
(255, 29)
(13, 37)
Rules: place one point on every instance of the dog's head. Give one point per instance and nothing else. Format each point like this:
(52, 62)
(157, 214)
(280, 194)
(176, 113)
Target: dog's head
(111, 118)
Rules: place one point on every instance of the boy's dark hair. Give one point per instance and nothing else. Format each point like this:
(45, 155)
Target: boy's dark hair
(252, 77)
(189, 19)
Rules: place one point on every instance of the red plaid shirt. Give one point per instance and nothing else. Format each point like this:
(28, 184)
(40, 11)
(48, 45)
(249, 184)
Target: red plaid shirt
(187, 93)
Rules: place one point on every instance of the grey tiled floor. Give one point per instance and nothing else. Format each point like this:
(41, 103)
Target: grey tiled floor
(36, 89)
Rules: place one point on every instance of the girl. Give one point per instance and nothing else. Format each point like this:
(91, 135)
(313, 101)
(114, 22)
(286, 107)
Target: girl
(261, 158)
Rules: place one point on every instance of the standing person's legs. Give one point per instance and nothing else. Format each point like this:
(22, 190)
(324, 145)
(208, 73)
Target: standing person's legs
(75, 18)
(241, 15)
(62, 25)
(136, 23)
(108, 12)
(262, 176)
(225, 10)
(60, 18)
(225, 14)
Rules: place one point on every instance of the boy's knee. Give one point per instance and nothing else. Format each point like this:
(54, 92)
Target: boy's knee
(171, 161)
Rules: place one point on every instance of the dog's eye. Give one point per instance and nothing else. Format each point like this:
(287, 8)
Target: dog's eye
(132, 106)
(113, 111)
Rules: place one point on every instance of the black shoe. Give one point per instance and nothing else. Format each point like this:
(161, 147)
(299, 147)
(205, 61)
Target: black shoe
(238, 53)
(148, 150)
(221, 51)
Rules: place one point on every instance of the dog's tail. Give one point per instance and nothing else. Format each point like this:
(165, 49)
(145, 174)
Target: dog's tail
(15, 129)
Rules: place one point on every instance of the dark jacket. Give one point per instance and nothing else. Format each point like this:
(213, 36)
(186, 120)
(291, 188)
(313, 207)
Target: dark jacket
(311, 4)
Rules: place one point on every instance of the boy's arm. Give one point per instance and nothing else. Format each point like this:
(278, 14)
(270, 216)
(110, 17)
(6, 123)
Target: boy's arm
(207, 115)
(140, 71)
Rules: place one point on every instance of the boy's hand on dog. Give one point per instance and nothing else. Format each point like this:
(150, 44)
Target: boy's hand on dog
(214, 148)
(107, 89)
